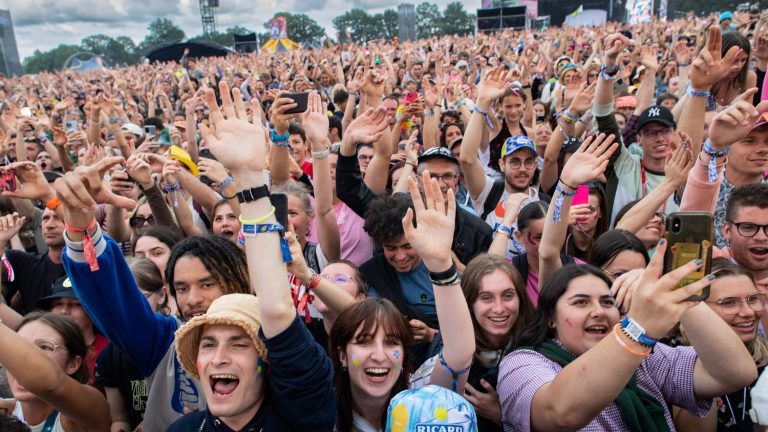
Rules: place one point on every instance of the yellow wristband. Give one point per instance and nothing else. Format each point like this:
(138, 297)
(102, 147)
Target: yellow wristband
(259, 220)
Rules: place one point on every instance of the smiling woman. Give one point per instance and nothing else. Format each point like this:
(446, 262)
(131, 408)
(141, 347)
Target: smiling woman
(561, 380)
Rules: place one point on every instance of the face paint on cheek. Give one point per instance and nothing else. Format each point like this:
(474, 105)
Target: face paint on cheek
(356, 362)
(260, 365)
(199, 365)
(396, 354)
(568, 321)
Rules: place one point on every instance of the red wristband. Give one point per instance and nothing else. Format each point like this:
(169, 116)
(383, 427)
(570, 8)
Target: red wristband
(88, 248)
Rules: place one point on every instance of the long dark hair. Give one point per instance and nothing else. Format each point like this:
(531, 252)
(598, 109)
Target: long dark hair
(471, 284)
(538, 328)
(366, 316)
(74, 341)
(732, 39)
(609, 245)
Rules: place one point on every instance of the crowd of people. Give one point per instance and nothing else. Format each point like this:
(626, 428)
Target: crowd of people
(451, 234)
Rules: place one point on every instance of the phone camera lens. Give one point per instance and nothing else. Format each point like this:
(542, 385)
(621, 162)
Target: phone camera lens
(676, 226)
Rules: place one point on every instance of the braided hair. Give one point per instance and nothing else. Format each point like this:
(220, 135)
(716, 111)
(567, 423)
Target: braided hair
(222, 258)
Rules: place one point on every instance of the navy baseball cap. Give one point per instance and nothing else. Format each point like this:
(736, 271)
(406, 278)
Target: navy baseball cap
(438, 153)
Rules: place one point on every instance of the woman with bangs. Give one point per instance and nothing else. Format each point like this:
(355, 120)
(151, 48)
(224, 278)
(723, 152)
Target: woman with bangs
(48, 376)
(499, 308)
(370, 343)
(734, 297)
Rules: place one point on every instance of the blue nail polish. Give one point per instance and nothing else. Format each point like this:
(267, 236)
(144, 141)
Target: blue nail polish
(661, 242)
(711, 277)
(699, 262)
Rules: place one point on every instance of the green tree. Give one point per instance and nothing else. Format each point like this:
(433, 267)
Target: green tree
(427, 20)
(115, 51)
(388, 23)
(361, 26)
(456, 20)
(227, 38)
(50, 60)
(161, 30)
(301, 28)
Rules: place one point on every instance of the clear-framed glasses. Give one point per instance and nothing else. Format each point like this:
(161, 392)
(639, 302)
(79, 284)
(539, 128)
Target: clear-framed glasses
(517, 163)
(48, 346)
(445, 178)
(362, 157)
(733, 305)
(338, 279)
(652, 134)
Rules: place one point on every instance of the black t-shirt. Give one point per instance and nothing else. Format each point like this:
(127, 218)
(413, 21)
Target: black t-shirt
(114, 369)
(33, 277)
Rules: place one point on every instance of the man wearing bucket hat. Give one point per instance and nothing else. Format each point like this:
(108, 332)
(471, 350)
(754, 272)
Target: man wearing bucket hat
(250, 384)
(200, 270)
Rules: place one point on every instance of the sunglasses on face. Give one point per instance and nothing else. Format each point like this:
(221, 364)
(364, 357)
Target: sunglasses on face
(140, 221)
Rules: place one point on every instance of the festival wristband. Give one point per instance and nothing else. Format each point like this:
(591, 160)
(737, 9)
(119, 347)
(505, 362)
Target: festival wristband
(53, 203)
(713, 155)
(89, 250)
(499, 228)
(636, 332)
(278, 138)
(559, 200)
(487, 117)
(257, 221)
(626, 346)
(694, 93)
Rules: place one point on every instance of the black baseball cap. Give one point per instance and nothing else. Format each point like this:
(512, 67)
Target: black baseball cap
(438, 153)
(61, 288)
(656, 113)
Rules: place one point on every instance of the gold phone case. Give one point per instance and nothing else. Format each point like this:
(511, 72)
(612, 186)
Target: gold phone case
(691, 240)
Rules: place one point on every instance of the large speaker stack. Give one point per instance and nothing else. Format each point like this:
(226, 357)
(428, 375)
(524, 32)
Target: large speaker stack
(500, 18)
(246, 44)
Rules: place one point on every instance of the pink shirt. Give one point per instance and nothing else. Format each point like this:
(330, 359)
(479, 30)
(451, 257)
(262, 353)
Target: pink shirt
(356, 244)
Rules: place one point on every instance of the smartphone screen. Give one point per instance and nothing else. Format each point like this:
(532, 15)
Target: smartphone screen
(581, 197)
(7, 181)
(411, 97)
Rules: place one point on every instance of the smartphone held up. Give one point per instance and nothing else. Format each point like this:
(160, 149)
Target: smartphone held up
(689, 237)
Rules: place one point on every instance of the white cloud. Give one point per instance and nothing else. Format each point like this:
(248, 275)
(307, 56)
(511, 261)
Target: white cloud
(44, 24)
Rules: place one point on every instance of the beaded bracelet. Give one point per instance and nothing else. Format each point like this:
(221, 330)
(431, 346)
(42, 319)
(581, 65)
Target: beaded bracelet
(560, 199)
(226, 182)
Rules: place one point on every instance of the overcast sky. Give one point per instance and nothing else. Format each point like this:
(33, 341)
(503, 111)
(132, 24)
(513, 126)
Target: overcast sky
(44, 24)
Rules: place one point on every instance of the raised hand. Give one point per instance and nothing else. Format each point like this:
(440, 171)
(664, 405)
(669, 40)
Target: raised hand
(368, 127)
(93, 178)
(710, 66)
(656, 304)
(590, 161)
(682, 53)
(435, 223)
(237, 143)
(582, 101)
(614, 44)
(315, 121)
(31, 184)
(212, 169)
(492, 87)
(431, 94)
(679, 164)
(735, 122)
(649, 57)
(10, 225)
(139, 170)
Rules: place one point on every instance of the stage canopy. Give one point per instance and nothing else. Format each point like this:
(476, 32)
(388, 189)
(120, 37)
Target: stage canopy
(175, 49)
(280, 45)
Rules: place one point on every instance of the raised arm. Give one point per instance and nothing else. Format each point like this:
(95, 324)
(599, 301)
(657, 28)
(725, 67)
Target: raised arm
(103, 282)
(676, 171)
(491, 88)
(315, 123)
(431, 238)
(280, 149)
(240, 146)
(82, 407)
(586, 386)
(586, 165)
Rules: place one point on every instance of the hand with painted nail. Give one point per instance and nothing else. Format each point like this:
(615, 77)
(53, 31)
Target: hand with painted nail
(657, 303)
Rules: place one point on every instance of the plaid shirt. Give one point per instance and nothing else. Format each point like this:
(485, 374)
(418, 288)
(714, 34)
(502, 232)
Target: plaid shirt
(667, 375)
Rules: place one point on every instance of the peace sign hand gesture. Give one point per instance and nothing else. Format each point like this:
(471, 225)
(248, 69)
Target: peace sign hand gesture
(435, 219)
(710, 66)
